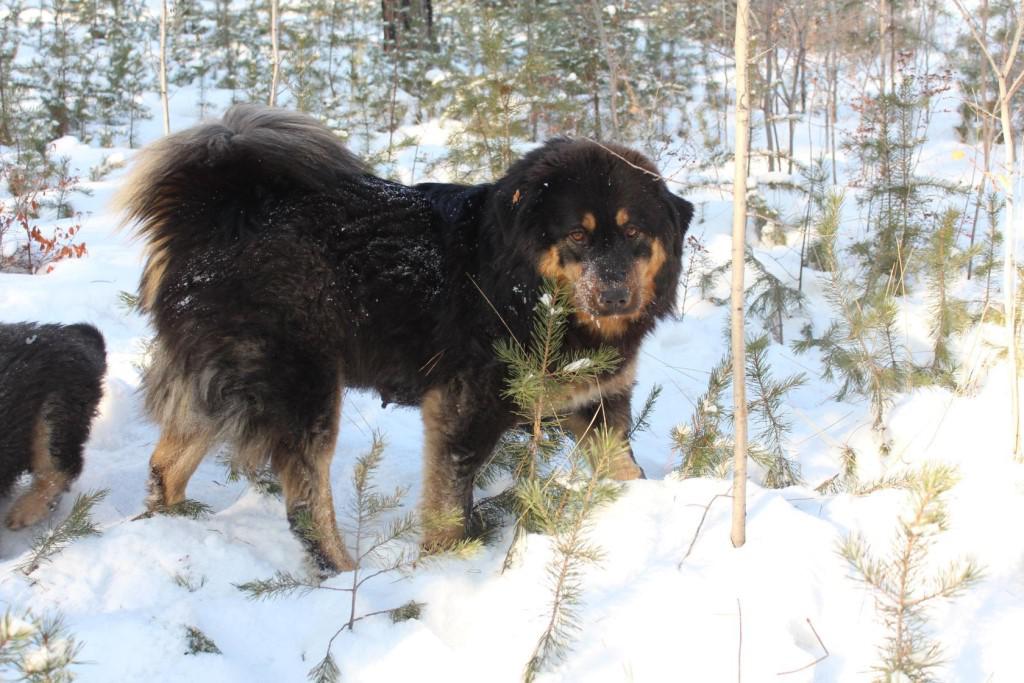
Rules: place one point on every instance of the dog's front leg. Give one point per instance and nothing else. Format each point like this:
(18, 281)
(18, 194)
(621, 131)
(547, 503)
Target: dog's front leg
(613, 413)
(460, 434)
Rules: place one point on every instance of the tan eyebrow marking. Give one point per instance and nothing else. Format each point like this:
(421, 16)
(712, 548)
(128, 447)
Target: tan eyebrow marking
(589, 223)
(622, 217)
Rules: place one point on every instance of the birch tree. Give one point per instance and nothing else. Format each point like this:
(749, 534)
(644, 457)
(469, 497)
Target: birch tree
(275, 54)
(165, 104)
(739, 233)
(1007, 181)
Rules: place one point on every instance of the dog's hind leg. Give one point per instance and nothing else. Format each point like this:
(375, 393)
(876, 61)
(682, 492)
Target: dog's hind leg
(49, 480)
(174, 461)
(304, 471)
(612, 412)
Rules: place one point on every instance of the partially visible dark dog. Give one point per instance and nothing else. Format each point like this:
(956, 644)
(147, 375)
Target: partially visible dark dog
(279, 271)
(51, 381)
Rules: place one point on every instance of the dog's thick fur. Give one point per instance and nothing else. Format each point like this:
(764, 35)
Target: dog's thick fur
(51, 382)
(279, 271)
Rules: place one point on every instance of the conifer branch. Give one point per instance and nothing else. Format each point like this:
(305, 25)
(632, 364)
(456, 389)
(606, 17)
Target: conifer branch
(37, 649)
(78, 524)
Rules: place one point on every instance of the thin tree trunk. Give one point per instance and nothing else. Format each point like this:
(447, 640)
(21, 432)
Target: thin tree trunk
(1009, 180)
(1009, 265)
(766, 103)
(833, 79)
(883, 13)
(986, 138)
(164, 102)
(613, 68)
(275, 54)
(739, 234)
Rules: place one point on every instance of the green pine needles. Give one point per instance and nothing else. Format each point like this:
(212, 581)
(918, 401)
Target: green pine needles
(767, 410)
(903, 588)
(539, 376)
(860, 348)
(566, 517)
(706, 444)
(36, 650)
(78, 524)
(944, 264)
(555, 485)
(199, 642)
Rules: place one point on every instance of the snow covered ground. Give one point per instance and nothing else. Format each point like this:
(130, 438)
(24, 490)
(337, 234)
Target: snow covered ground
(648, 615)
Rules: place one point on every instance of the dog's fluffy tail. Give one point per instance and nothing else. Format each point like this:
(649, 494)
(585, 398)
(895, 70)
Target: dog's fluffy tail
(192, 189)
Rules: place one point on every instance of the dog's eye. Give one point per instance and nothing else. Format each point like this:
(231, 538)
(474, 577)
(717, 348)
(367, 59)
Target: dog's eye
(632, 232)
(578, 235)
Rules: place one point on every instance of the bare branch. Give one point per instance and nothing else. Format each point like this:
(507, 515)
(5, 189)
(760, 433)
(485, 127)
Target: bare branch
(817, 661)
(696, 533)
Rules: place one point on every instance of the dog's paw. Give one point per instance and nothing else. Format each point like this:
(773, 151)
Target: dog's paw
(27, 511)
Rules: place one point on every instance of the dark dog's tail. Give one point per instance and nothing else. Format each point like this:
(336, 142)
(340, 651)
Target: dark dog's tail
(192, 188)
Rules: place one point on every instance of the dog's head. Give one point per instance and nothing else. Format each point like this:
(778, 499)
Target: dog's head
(599, 220)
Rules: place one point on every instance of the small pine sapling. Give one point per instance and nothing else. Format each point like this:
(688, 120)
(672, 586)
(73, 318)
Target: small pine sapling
(38, 650)
(539, 376)
(555, 487)
(768, 297)
(769, 415)
(943, 266)
(704, 444)
(846, 478)
(859, 349)
(771, 299)
(821, 253)
(567, 517)
(903, 590)
(990, 263)
(888, 145)
(818, 197)
(78, 524)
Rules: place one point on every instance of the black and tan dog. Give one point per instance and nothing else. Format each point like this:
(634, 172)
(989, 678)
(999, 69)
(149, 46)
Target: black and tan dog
(279, 271)
(51, 381)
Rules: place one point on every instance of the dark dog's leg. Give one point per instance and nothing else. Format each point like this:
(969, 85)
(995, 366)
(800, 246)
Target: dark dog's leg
(459, 437)
(305, 475)
(613, 412)
(174, 461)
(49, 480)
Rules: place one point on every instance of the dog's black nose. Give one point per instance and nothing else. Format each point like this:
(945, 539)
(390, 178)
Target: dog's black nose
(615, 300)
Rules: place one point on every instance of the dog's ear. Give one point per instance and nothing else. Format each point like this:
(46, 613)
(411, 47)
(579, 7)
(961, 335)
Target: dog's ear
(684, 213)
